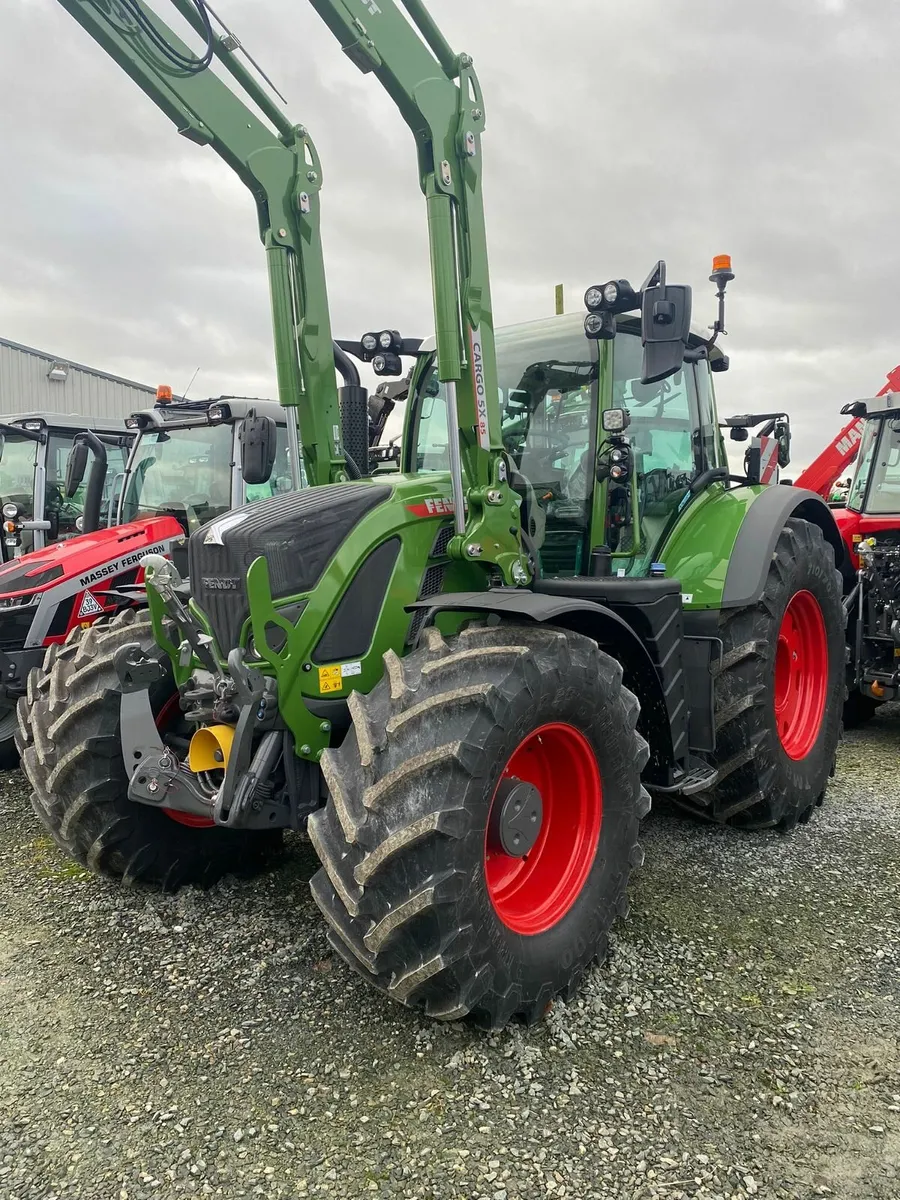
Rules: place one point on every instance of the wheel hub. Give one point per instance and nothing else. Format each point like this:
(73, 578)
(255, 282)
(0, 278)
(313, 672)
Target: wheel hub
(516, 818)
(801, 675)
(543, 828)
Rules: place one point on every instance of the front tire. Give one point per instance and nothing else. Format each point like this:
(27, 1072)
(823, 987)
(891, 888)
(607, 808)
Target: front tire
(420, 892)
(779, 692)
(68, 737)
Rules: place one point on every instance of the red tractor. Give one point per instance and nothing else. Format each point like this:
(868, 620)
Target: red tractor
(191, 462)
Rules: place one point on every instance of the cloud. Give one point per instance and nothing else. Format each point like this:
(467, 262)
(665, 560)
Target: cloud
(617, 134)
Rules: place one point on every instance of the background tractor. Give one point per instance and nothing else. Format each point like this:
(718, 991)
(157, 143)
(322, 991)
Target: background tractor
(186, 467)
(34, 450)
(463, 678)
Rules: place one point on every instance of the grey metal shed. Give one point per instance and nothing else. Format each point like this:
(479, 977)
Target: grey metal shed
(32, 380)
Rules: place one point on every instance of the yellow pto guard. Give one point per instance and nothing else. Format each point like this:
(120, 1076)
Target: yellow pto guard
(210, 748)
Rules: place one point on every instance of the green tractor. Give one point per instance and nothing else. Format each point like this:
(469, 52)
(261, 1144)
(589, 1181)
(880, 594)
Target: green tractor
(462, 679)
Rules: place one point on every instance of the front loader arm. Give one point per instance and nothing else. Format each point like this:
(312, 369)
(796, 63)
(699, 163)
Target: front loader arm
(438, 96)
(278, 163)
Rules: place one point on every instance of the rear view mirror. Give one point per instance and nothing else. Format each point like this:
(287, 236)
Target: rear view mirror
(259, 441)
(665, 326)
(76, 465)
(783, 434)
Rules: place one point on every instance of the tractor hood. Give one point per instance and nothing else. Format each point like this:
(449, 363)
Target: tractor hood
(91, 557)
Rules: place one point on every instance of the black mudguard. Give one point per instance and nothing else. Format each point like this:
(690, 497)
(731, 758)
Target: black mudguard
(658, 682)
(762, 526)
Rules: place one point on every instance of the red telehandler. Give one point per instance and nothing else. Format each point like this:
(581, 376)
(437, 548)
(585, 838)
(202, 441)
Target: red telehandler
(823, 472)
(868, 518)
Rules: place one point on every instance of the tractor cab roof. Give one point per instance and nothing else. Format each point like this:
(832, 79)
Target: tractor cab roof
(37, 421)
(213, 411)
(888, 406)
(572, 324)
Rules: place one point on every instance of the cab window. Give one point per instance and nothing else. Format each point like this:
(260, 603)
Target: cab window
(64, 510)
(884, 476)
(547, 375)
(666, 454)
(857, 494)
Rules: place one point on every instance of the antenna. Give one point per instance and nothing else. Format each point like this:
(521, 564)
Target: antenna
(188, 388)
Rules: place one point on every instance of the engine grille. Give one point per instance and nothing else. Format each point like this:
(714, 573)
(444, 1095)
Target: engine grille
(297, 534)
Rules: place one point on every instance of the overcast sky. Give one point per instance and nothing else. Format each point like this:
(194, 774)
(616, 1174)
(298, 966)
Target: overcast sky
(617, 134)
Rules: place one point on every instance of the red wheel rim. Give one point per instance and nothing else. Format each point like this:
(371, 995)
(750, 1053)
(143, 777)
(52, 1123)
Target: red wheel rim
(533, 893)
(801, 675)
(192, 820)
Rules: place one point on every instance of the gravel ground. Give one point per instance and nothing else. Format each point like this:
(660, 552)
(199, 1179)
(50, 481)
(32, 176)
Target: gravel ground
(743, 1040)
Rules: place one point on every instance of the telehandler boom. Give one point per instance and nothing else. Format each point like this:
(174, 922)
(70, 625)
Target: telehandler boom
(462, 678)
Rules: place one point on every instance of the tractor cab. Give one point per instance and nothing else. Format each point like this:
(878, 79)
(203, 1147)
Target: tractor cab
(584, 484)
(869, 523)
(871, 506)
(190, 460)
(873, 499)
(34, 449)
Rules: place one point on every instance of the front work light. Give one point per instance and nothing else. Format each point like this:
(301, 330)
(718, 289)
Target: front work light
(600, 326)
(616, 296)
(387, 364)
(616, 420)
(593, 298)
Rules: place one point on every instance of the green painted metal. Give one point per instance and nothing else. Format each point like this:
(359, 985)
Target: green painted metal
(439, 97)
(403, 516)
(699, 548)
(278, 162)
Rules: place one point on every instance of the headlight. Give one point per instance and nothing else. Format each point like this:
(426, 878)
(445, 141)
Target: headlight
(10, 511)
(17, 601)
(611, 293)
(369, 342)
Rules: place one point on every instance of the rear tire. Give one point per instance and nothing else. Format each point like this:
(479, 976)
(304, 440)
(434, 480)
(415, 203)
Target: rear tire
(406, 886)
(770, 777)
(68, 737)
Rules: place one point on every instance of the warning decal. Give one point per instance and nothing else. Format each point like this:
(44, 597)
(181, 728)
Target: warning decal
(331, 679)
(89, 607)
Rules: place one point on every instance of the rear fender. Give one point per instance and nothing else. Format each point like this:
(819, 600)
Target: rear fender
(722, 545)
(754, 546)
